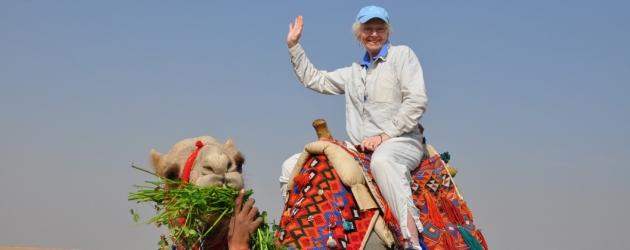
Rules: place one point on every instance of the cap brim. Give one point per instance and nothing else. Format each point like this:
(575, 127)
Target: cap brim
(366, 18)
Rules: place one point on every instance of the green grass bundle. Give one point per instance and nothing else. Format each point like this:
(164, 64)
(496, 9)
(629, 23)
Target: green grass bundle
(196, 204)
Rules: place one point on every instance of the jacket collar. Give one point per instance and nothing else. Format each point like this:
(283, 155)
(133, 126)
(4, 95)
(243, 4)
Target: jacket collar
(367, 61)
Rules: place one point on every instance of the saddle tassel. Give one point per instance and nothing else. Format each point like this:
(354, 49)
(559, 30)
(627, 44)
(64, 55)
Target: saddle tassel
(434, 213)
(453, 214)
(482, 239)
(466, 210)
(469, 239)
(449, 241)
(301, 180)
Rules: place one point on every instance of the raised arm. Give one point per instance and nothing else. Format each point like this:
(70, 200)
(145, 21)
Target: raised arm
(331, 83)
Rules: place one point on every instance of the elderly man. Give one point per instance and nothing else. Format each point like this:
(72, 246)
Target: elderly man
(385, 99)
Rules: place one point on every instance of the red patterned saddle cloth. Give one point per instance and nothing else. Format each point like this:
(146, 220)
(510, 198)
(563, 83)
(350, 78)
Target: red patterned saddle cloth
(321, 212)
(447, 220)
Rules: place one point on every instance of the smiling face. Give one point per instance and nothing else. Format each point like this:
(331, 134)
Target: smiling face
(373, 35)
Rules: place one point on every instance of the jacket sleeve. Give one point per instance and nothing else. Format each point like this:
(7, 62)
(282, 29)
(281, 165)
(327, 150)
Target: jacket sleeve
(331, 83)
(414, 97)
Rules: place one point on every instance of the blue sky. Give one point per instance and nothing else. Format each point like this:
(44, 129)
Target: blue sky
(529, 98)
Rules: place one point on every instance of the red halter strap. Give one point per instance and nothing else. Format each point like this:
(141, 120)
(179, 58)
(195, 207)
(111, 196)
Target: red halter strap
(190, 161)
(186, 178)
(186, 173)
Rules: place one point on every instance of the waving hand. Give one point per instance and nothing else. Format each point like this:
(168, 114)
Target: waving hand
(295, 31)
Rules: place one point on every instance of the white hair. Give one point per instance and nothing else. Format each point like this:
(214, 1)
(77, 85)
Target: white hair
(356, 29)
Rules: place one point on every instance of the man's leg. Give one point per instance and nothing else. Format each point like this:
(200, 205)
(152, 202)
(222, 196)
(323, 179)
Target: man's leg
(391, 165)
(287, 168)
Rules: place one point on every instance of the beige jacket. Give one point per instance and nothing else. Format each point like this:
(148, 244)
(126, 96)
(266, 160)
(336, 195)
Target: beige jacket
(390, 98)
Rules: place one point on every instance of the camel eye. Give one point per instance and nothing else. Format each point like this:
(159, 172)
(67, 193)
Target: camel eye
(229, 166)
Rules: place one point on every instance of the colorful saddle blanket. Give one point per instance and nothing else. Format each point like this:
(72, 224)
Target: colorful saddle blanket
(447, 221)
(321, 213)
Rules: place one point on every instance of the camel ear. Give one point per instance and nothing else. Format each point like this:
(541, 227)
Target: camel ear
(239, 160)
(229, 143)
(156, 159)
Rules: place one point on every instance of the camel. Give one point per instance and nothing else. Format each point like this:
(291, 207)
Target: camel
(359, 219)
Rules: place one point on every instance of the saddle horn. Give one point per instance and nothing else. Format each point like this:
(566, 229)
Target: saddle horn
(321, 128)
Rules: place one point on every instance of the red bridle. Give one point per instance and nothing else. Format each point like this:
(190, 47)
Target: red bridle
(189, 163)
(186, 178)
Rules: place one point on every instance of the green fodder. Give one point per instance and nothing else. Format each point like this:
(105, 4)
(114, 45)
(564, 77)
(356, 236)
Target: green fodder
(196, 204)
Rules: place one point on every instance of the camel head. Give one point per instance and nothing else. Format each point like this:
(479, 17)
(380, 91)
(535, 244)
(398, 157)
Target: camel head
(216, 164)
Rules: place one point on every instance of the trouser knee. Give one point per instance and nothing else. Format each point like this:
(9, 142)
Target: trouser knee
(379, 165)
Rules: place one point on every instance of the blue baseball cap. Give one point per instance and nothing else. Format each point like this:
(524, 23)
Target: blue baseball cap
(369, 12)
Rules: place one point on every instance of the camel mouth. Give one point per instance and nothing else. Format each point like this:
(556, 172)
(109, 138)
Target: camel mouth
(227, 181)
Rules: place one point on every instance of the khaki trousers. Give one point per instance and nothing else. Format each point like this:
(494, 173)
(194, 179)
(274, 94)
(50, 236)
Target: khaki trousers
(391, 166)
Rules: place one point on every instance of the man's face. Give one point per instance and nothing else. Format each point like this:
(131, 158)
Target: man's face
(374, 34)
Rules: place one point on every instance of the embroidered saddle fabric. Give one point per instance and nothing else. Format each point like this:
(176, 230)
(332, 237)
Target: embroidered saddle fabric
(447, 220)
(324, 211)
(321, 213)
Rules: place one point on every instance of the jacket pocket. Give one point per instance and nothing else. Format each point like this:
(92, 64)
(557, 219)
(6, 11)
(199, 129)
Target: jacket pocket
(384, 87)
